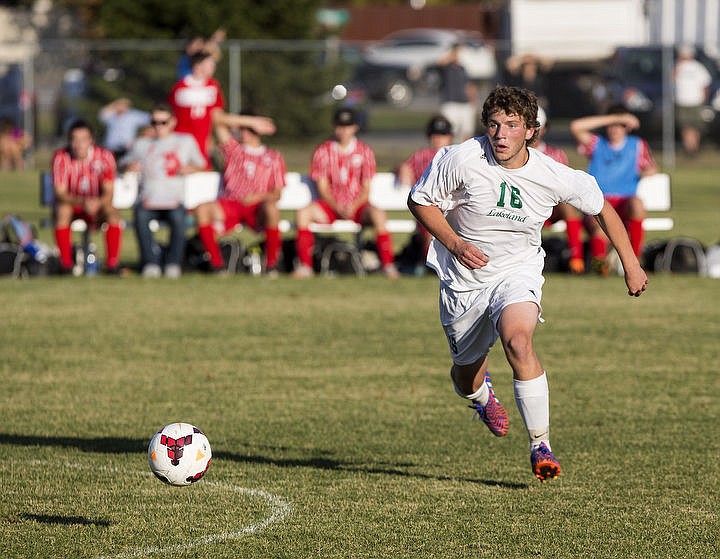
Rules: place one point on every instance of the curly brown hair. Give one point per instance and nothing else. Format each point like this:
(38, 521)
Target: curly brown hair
(513, 101)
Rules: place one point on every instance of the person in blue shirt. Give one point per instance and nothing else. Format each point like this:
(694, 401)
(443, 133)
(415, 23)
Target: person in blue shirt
(617, 160)
(122, 123)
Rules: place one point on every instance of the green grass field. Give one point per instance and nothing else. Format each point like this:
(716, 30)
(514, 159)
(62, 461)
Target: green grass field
(335, 430)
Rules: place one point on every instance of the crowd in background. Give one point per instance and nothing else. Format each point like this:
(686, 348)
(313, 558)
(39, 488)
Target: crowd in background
(149, 143)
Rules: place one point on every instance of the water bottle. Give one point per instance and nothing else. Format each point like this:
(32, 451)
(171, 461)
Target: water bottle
(91, 261)
(253, 261)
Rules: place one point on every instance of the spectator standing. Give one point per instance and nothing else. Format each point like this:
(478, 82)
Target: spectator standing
(83, 176)
(163, 161)
(254, 177)
(617, 160)
(530, 71)
(457, 95)
(572, 217)
(343, 168)
(692, 92)
(13, 143)
(198, 102)
(122, 123)
(485, 202)
(195, 98)
(195, 44)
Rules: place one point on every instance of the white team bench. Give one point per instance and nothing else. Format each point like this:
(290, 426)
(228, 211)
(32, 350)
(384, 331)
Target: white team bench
(300, 191)
(654, 191)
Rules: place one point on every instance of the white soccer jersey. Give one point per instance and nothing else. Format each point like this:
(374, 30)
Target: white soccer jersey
(499, 210)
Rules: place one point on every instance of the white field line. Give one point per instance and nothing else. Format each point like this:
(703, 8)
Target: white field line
(279, 509)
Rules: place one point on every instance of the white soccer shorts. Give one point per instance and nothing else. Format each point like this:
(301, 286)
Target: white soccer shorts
(470, 318)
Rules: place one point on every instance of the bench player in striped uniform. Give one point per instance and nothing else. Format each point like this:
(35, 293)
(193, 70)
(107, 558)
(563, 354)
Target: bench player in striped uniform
(485, 202)
(254, 177)
(83, 176)
(343, 168)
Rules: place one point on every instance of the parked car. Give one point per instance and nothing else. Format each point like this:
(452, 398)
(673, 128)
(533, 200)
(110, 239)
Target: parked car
(633, 76)
(404, 64)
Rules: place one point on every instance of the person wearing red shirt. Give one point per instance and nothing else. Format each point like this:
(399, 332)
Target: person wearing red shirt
(342, 169)
(440, 134)
(83, 176)
(572, 217)
(254, 177)
(198, 103)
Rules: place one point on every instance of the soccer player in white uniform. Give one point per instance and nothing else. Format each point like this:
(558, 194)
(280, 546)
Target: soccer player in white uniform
(485, 202)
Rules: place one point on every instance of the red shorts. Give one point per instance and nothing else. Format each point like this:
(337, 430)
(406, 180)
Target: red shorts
(332, 216)
(620, 205)
(237, 213)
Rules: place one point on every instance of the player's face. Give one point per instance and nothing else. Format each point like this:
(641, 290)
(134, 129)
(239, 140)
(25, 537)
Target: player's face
(345, 133)
(508, 135)
(616, 133)
(80, 142)
(163, 123)
(438, 141)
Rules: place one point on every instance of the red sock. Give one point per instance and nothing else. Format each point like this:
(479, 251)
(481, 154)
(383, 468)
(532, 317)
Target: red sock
(635, 232)
(112, 244)
(385, 248)
(207, 237)
(598, 248)
(272, 246)
(573, 238)
(304, 245)
(63, 239)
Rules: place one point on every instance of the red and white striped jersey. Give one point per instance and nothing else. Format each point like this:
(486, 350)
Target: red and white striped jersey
(251, 170)
(345, 169)
(192, 102)
(83, 177)
(419, 161)
(558, 154)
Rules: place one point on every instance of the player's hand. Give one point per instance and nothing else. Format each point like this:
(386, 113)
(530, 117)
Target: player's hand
(263, 125)
(631, 122)
(469, 255)
(636, 281)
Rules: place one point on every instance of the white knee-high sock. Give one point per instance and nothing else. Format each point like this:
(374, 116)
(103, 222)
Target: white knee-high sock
(482, 394)
(533, 402)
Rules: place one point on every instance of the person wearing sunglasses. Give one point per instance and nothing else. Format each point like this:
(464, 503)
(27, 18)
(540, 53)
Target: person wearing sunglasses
(162, 161)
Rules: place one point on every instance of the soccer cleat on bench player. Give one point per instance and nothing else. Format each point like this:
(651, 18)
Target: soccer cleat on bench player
(493, 414)
(543, 462)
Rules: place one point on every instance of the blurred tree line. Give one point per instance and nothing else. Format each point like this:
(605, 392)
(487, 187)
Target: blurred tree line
(290, 84)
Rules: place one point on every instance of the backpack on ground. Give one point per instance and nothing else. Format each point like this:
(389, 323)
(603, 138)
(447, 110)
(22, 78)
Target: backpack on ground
(681, 255)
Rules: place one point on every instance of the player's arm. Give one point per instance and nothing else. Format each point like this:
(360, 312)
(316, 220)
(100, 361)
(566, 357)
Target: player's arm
(582, 128)
(261, 124)
(323, 188)
(361, 199)
(432, 218)
(635, 277)
(405, 174)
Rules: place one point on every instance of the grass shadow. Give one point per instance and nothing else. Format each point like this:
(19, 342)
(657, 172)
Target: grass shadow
(122, 445)
(64, 520)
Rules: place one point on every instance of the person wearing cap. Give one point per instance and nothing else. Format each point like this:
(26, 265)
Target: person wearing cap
(440, 134)
(253, 178)
(617, 160)
(572, 217)
(692, 91)
(342, 168)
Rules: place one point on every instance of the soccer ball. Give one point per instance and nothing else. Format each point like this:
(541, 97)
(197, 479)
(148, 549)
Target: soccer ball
(179, 454)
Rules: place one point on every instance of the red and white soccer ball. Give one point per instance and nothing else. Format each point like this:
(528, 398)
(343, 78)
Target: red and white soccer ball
(179, 454)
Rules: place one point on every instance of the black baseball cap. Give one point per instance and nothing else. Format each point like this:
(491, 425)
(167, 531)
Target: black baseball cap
(345, 117)
(439, 125)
